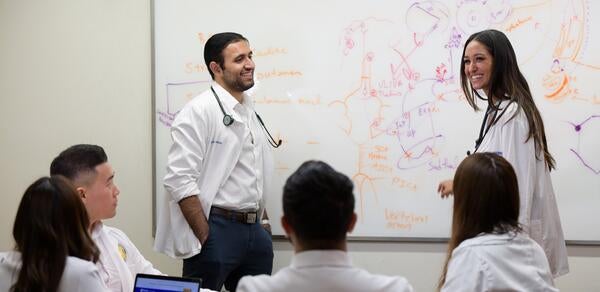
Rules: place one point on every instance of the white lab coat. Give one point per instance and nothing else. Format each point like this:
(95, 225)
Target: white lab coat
(201, 158)
(498, 262)
(323, 270)
(539, 212)
(78, 274)
(120, 260)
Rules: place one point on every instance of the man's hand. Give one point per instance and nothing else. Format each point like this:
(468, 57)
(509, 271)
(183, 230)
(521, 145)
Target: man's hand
(267, 226)
(265, 222)
(192, 211)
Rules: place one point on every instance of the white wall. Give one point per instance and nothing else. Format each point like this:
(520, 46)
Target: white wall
(79, 71)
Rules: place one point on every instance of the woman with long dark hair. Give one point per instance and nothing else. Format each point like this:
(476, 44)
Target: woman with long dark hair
(488, 250)
(53, 251)
(513, 128)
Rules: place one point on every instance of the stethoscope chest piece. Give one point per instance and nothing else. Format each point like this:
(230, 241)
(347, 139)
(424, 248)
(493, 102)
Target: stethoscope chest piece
(227, 120)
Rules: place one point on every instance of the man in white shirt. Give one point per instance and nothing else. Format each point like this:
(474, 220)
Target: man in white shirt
(87, 167)
(218, 170)
(318, 212)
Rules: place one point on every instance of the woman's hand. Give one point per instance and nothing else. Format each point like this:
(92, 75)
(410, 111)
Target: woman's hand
(445, 188)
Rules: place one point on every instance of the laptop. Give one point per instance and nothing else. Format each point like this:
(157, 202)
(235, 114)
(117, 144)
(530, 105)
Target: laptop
(159, 283)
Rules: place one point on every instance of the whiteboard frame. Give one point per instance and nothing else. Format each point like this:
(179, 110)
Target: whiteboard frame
(153, 116)
(275, 237)
(429, 240)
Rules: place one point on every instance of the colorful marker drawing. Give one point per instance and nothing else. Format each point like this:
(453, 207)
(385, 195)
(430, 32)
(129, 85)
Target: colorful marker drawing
(377, 93)
(586, 156)
(573, 47)
(396, 97)
(177, 94)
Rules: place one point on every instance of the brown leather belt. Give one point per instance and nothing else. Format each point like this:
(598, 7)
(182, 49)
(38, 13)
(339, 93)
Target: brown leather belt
(242, 217)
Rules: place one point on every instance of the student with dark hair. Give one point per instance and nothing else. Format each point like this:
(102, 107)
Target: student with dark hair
(513, 127)
(218, 172)
(318, 212)
(53, 251)
(488, 251)
(87, 167)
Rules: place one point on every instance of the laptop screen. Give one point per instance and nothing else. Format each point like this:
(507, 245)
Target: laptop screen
(158, 283)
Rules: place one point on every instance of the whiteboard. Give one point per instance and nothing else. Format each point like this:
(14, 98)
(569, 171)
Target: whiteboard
(372, 88)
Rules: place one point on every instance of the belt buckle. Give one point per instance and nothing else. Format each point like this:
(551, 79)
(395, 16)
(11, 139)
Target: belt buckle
(251, 218)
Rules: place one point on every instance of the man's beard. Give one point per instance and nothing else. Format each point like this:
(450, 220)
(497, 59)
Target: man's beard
(239, 85)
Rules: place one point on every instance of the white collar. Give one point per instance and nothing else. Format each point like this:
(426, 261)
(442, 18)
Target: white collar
(493, 238)
(315, 258)
(96, 229)
(228, 100)
(230, 103)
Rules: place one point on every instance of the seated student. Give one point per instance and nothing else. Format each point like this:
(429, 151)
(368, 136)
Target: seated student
(488, 250)
(318, 211)
(54, 251)
(87, 167)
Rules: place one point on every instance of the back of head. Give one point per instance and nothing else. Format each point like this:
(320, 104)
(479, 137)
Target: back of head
(78, 160)
(51, 224)
(486, 200)
(486, 197)
(318, 203)
(215, 45)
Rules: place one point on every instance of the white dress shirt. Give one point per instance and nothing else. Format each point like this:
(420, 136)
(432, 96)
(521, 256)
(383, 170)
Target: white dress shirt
(119, 259)
(78, 275)
(243, 188)
(538, 213)
(499, 262)
(322, 270)
(202, 157)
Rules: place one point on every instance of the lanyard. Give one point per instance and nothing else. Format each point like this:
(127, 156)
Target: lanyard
(485, 125)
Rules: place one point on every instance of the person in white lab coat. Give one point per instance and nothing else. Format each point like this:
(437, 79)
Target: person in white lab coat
(87, 168)
(318, 212)
(513, 128)
(53, 250)
(488, 251)
(219, 171)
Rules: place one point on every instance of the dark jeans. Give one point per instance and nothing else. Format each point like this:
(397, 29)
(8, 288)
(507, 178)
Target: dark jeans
(231, 251)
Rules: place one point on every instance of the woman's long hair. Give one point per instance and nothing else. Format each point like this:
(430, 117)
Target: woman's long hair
(486, 200)
(51, 224)
(507, 82)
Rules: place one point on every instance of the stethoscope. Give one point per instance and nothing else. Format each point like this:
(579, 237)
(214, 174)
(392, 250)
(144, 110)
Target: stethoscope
(485, 125)
(228, 120)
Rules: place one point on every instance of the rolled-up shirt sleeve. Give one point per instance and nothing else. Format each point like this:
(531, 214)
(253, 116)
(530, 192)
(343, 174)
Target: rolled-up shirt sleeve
(184, 161)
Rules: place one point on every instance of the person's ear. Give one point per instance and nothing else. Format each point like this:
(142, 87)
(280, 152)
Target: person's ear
(286, 226)
(352, 222)
(214, 67)
(81, 192)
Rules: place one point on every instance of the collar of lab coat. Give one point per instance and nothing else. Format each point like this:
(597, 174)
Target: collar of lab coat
(319, 258)
(229, 102)
(96, 228)
(493, 238)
